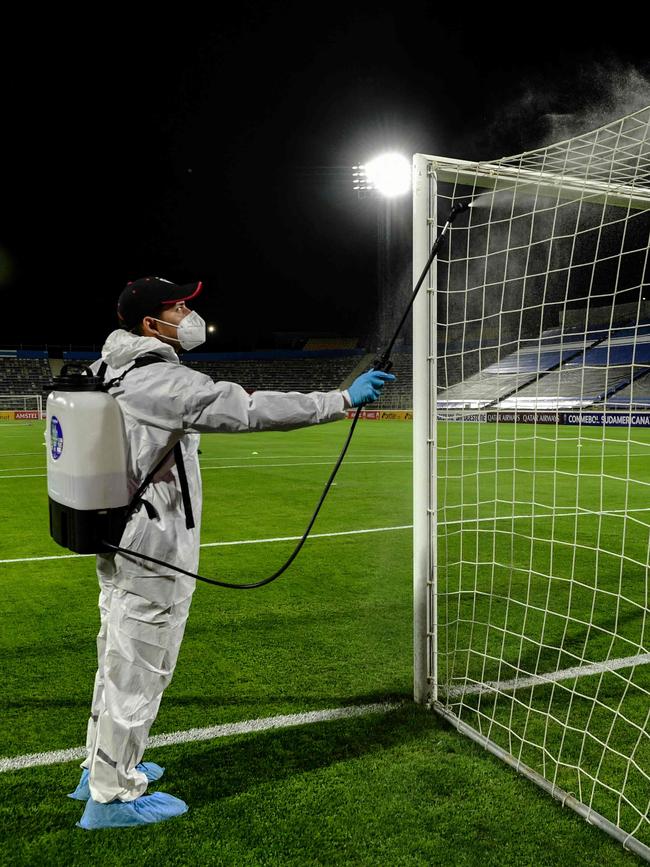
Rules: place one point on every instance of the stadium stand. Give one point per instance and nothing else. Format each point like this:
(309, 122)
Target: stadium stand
(282, 370)
(531, 363)
(562, 370)
(400, 393)
(570, 387)
(636, 395)
(593, 376)
(23, 372)
(294, 370)
(316, 373)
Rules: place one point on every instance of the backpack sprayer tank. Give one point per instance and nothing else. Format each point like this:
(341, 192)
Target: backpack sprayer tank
(86, 462)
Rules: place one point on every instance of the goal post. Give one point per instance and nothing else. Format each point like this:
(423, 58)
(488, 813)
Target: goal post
(531, 398)
(424, 445)
(21, 407)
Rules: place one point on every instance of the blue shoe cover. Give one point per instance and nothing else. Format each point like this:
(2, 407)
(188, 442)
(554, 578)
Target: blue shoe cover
(145, 810)
(151, 770)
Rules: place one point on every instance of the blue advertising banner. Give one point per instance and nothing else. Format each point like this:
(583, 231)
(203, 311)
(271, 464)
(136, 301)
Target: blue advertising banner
(609, 419)
(584, 417)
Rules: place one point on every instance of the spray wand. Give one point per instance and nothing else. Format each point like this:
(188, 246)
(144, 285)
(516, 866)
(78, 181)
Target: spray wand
(382, 362)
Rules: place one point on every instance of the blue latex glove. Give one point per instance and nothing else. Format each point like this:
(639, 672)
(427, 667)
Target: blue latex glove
(368, 386)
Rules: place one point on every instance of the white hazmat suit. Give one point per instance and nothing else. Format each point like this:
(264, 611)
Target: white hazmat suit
(143, 607)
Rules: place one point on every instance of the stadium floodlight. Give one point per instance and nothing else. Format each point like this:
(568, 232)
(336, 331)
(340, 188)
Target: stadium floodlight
(360, 181)
(388, 174)
(531, 392)
(389, 177)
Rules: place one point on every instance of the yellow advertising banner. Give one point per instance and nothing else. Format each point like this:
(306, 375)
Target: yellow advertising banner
(397, 414)
(386, 414)
(19, 415)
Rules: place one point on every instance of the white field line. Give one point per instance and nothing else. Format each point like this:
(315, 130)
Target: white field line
(237, 467)
(26, 476)
(13, 469)
(56, 757)
(256, 725)
(262, 456)
(442, 460)
(583, 513)
(303, 464)
(259, 457)
(21, 454)
(553, 677)
(234, 542)
(311, 536)
(491, 519)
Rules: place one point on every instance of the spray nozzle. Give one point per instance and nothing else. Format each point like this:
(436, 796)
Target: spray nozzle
(457, 209)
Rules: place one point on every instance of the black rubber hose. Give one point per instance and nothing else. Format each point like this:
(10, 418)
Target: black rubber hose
(296, 551)
(382, 362)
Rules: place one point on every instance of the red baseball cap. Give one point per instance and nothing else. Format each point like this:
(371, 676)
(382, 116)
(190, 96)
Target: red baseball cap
(146, 296)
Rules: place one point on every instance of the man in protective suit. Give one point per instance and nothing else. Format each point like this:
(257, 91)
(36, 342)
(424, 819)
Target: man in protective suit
(144, 607)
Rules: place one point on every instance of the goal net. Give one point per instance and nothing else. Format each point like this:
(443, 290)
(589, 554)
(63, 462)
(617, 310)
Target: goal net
(20, 407)
(532, 465)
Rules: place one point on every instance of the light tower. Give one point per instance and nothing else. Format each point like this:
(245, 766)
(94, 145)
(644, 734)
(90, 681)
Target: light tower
(389, 178)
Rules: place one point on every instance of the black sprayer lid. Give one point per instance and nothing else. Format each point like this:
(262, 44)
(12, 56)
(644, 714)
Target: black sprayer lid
(77, 377)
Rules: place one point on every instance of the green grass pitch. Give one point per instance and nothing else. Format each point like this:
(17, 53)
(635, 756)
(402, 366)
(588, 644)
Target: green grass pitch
(400, 788)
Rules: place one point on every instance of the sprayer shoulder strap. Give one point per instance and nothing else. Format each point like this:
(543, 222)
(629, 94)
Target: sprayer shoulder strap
(182, 478)
(142, 361)
(185, 490)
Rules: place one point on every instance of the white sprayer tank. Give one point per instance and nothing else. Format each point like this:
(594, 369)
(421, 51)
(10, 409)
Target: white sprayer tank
(86, 462)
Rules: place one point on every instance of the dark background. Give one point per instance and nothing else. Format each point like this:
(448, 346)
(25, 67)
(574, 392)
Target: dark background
(218, 146)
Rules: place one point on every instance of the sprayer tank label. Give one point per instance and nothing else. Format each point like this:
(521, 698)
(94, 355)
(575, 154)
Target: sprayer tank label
(56, 437)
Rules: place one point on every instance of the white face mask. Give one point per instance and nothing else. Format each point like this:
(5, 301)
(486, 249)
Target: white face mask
(191, 330)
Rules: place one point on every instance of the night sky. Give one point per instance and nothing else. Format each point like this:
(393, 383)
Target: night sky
(220, 148)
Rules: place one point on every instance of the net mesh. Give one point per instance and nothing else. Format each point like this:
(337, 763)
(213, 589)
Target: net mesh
(542, 638)
(20, 407)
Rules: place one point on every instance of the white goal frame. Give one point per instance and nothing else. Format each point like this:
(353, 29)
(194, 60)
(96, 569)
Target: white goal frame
(428, 170)
(22, 403)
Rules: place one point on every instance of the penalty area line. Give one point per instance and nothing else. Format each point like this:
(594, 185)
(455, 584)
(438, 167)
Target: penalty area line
(228, 544)
(207, 467)
(539, 516)
(57, 757)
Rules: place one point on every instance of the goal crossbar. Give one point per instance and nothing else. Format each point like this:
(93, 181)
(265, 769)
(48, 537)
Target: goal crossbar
(497, 177)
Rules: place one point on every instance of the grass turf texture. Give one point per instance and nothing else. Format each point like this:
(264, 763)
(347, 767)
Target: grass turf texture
(552, 590)
(336, 630)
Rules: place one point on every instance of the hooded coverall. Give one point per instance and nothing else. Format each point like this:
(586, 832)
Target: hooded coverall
(144, 608)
